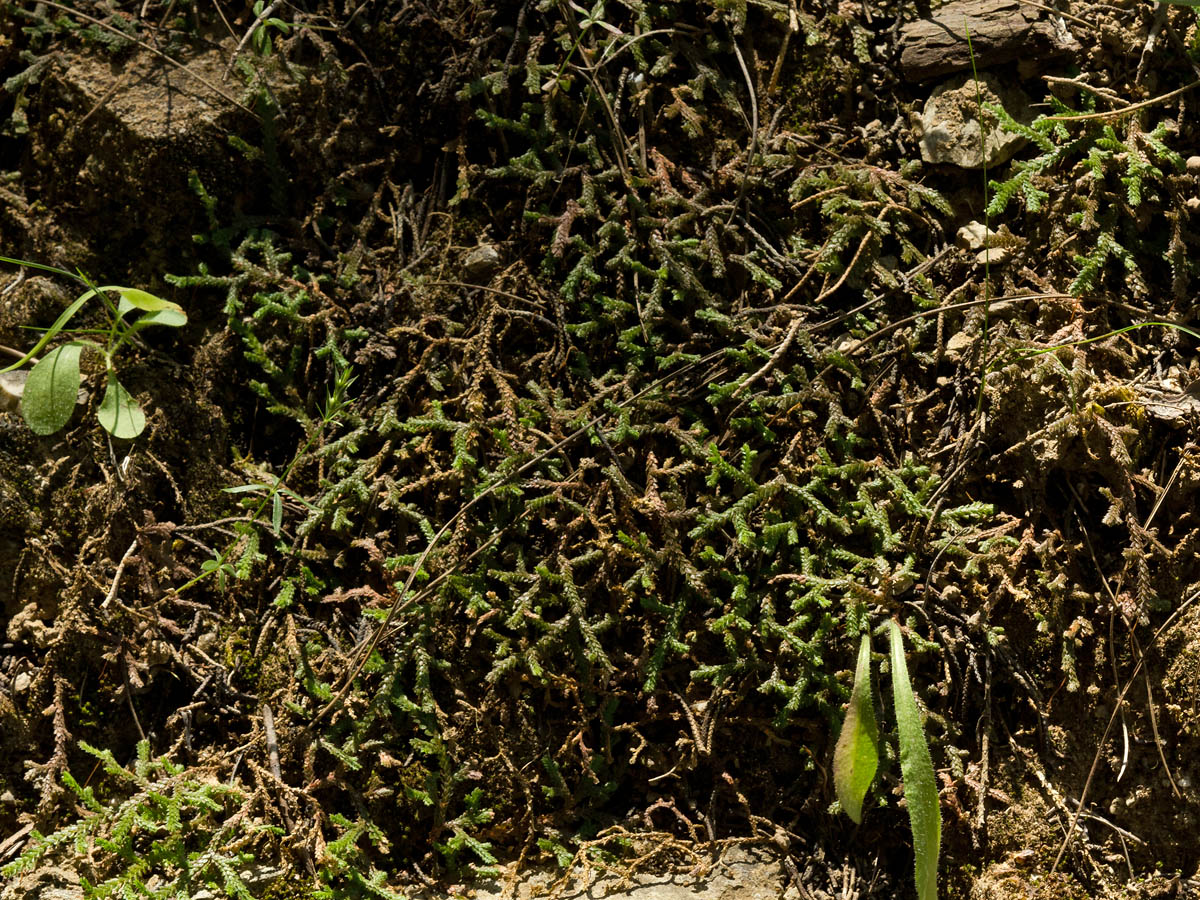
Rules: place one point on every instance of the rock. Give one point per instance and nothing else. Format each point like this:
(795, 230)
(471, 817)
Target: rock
(993, 256)
(972, 236)
(118, 162)
(12, 386)
(12, 389)
(1193, 165)
(28, 626)
(1173, 400)
(957, 345)
(948, 128)
(994, 246)
(1002, 31)
(1003, 309)
(481, 263)
(45, 883)
(741, 874)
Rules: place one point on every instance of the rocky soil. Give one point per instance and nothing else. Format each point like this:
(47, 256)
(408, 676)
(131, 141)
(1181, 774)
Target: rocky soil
(564, 392)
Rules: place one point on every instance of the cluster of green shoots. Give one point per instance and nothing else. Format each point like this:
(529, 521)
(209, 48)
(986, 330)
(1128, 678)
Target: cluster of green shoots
(166, 831)
(53, 384)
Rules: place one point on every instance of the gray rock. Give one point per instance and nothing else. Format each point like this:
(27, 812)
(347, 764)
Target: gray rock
(741, 874)
(948, 128)
(12, 389)
(958, 344)
(992, 246)
(481, 263)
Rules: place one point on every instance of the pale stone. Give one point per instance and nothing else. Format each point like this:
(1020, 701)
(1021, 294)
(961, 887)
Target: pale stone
(481, 263)
(948, 128)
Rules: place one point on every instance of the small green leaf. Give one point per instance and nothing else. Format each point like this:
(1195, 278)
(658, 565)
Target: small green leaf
(916, 768)
(856, 757)
(276, 514)
(51, 390)
(157, 311)
(172, 318)
(119, 413)
(132, 298)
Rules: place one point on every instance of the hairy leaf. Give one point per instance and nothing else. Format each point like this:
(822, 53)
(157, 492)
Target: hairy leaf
(856, 757)
(916, 768)
(51, 389)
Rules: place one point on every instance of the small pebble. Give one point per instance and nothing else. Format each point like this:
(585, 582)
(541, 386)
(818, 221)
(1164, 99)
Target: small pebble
(957, 345)
(12, 386)
(1193, 165)
(481, 263)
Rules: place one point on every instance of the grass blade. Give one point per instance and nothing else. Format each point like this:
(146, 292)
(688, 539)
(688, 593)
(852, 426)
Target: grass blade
(916, 768)
(59, 324)
(36, 265)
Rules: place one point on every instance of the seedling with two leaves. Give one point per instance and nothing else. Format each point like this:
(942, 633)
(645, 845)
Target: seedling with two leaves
(261, 37)
(53, 383)
(856, 758)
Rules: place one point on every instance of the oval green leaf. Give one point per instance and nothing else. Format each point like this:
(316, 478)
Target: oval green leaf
(856, 757)
(916, 768)
(51, 389)
(173, 317)
(119, 413)
(132, 298)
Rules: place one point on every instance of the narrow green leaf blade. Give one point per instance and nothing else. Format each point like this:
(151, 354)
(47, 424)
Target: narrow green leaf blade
(37, 265)
(49, 334)
(916, 768)
(246, 488)
(51, 389)
(856, 756)
(119, 413)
